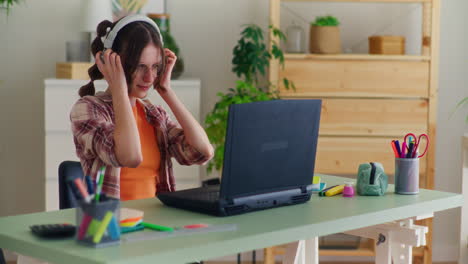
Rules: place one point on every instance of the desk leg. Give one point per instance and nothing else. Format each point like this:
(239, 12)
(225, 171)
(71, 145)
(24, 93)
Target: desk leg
(268, 256)
(383, 251)
(395, 240)
(312, 251)
(302, 252)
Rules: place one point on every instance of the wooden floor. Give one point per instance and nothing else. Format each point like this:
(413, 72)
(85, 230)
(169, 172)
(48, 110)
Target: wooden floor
(261, 262)
(324, 262)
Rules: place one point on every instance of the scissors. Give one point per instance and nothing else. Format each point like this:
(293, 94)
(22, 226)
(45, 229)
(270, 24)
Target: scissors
(417, 141)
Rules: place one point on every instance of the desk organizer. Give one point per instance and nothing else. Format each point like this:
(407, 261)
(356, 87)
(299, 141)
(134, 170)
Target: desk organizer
(406, 176)
(98, 223)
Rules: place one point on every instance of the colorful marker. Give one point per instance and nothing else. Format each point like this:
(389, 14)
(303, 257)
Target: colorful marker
(335, 190)
(102, 227)
(82, 189)
(322, 193)
(157, 227)
(102, 171)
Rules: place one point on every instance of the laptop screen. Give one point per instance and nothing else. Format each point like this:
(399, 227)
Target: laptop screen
(270, 146)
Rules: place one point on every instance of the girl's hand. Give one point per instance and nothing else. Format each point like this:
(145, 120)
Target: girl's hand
(110, 66)
(163, 83)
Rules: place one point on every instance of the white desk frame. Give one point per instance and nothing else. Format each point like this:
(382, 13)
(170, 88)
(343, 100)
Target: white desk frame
(396, 242)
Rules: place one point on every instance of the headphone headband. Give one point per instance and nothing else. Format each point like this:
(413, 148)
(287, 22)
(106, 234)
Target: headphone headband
(110, 37)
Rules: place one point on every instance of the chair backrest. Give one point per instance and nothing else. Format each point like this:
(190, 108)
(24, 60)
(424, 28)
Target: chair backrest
(67, 172)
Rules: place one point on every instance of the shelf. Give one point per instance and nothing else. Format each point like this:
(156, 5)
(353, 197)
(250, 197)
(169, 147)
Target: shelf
(365, 249)
(362, 57)
(363, 1)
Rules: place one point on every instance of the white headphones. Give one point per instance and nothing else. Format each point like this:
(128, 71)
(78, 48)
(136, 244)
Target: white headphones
(112, 34)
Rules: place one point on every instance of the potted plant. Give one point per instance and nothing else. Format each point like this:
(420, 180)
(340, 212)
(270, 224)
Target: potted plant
(7, 4)
(325, 35)
(462, 103)
(163, 21)
(250, 62)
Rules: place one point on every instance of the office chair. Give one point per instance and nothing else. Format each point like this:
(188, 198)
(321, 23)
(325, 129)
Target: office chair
(68, 171)
(2, 257)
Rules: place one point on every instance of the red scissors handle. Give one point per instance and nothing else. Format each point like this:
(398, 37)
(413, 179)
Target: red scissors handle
(425, 136)
(417, 141)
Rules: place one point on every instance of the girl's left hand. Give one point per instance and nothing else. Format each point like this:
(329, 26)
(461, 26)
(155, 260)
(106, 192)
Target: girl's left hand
(163, 82)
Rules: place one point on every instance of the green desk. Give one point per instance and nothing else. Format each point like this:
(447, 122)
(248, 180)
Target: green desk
(321, 216)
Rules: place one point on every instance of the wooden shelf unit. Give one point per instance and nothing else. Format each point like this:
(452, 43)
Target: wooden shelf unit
(368, 100)
(363, 57)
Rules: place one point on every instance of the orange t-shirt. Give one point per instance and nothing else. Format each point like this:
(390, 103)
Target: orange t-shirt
(140, 182)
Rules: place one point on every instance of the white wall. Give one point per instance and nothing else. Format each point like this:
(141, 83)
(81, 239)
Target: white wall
(32, 40)
(453, 79)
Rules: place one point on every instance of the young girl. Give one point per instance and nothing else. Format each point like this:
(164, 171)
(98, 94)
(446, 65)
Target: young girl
(134, 139)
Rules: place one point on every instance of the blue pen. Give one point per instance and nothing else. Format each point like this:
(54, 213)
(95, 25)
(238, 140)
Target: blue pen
(89, 184)
(397, 145)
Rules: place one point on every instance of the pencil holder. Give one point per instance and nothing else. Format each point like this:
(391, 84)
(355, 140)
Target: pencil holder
(98, 222)
(406, 176)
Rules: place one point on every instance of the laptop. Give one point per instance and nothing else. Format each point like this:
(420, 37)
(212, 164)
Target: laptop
(269, 158)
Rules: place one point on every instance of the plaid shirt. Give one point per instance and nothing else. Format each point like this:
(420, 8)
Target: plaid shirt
(93, 123)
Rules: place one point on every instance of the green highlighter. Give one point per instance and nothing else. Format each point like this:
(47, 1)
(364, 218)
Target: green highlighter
(157, 227)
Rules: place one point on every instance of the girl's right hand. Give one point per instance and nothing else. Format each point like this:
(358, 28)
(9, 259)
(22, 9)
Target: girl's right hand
(110, 66)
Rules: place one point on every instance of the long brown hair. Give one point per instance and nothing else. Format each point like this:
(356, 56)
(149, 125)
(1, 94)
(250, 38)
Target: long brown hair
(129, 44)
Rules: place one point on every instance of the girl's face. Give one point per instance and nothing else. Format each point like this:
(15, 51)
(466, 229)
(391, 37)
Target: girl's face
(146, 71)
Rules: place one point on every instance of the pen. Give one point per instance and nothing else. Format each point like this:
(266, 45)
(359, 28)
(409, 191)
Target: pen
(397, 145)
(102, 171)
(74, 190)
(156, 227)
(403, 148)
(89, 184)
(394, 149)
(322, 193)
(82, 189)
(410, 150)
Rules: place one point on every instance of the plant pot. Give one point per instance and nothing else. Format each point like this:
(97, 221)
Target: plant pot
(178, 69)
(325, 40)
(163, 22)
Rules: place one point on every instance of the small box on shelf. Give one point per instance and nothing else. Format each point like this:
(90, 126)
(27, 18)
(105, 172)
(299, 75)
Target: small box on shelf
(72, 70)
(388, 45)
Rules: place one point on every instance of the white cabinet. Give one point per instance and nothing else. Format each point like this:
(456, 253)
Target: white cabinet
(463, 258)
(61, 94)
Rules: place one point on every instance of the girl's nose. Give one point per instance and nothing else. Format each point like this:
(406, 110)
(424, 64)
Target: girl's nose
(149, 76)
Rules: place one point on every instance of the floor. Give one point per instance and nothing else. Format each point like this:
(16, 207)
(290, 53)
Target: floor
(261, 262)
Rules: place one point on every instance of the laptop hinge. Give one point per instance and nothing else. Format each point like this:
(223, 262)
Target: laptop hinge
(303, 189)
(226, 201)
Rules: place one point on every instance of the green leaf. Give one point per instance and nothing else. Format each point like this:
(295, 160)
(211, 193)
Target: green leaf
(250, 61)
(326, 21)
(464, 101)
